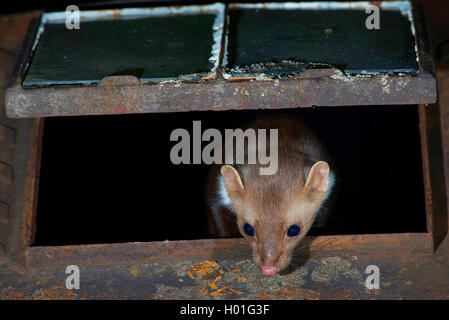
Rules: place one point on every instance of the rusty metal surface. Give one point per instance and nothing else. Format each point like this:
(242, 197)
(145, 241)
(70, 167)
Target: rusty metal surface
(28, 194)
(317, 87)
(330, 267)
(443, 124)
(324, 268)
(434, 180)
(335, 90)
(178, 251)
(15, 144)
(331, 277)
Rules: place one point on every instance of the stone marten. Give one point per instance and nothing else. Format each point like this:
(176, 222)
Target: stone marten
(273, 212)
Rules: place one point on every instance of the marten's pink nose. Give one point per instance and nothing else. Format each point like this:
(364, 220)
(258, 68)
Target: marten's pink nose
(269, 271)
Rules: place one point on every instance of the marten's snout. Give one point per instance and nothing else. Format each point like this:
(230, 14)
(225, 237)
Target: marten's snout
(269, 270)
(269, 266)
(269, 251)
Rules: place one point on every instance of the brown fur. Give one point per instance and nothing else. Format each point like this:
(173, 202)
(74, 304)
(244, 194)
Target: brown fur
(272, 203)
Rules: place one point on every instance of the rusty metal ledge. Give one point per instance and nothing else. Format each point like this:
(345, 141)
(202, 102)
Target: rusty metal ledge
(178, 251)
(335, 90)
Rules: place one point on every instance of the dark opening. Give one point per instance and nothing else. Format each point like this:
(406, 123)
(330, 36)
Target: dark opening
(108, 179)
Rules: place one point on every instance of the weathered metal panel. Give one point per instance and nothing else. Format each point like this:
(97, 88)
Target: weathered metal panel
(313, 87)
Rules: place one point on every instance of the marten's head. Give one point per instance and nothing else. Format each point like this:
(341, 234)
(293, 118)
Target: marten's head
(274, 223)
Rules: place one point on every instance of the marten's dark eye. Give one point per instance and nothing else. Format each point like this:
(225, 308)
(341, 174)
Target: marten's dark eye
(294, 230)
(249, 230)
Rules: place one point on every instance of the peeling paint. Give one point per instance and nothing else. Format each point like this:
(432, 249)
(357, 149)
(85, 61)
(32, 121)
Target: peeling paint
(385, 84)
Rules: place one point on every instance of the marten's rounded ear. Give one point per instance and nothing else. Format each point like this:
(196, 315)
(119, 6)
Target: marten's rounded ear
(231, 179)
(318, 179)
